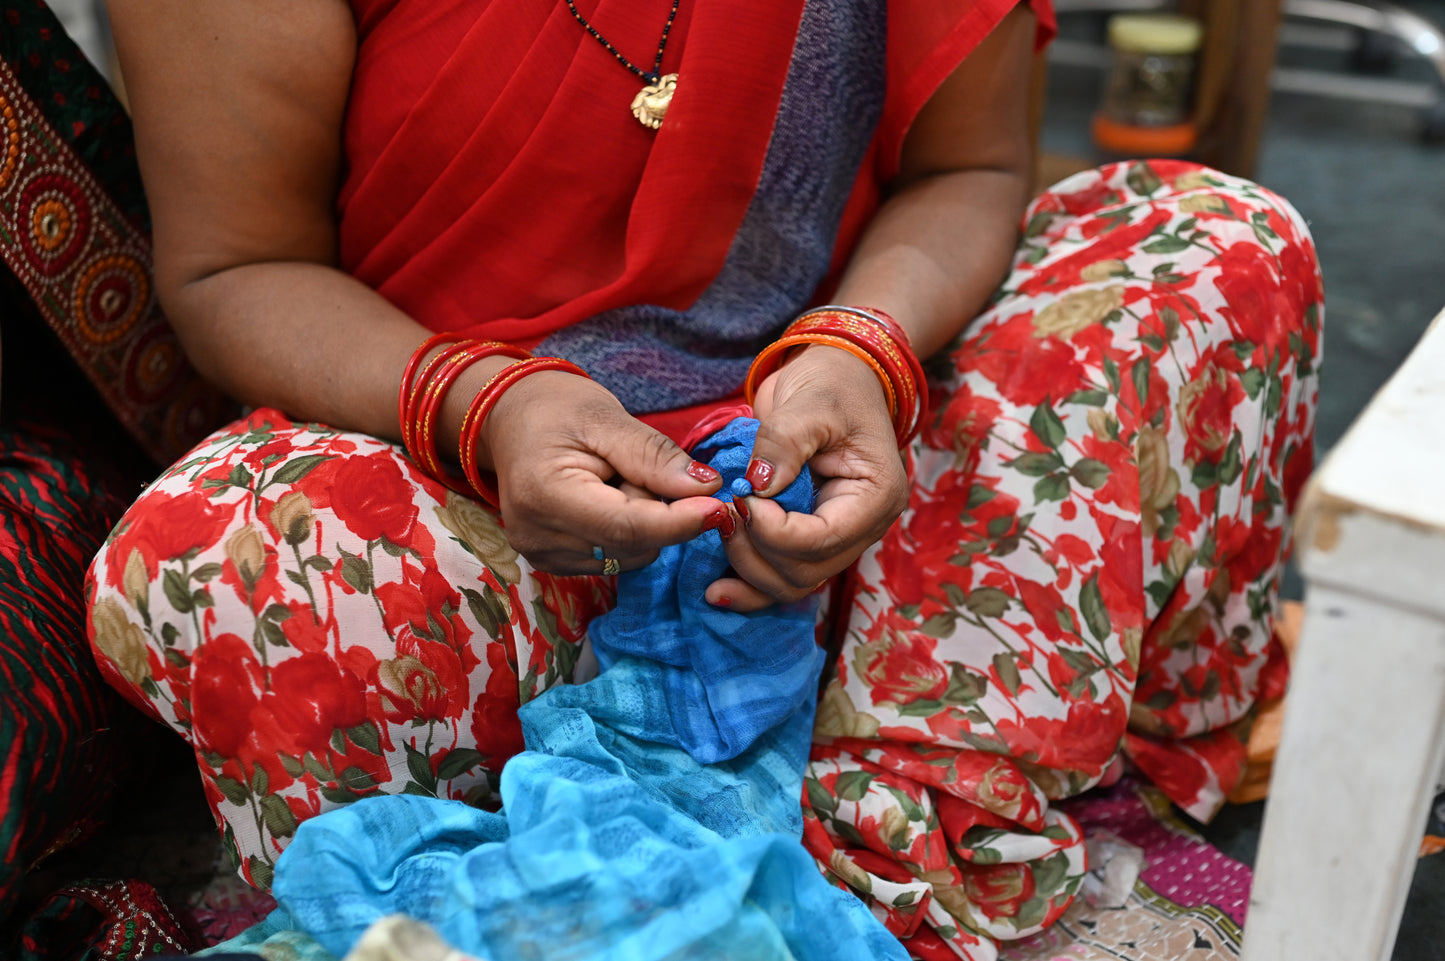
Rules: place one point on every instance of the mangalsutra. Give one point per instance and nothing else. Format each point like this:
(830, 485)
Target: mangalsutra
(651, 103)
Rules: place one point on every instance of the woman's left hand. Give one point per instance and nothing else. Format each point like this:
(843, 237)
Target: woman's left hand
(824, 408)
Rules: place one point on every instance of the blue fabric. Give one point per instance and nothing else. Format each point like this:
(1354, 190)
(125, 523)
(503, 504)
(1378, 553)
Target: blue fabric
(723, 677)
(615, 844)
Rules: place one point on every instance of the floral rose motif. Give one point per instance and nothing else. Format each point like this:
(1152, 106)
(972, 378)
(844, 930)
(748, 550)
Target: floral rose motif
(373, 499)
(1158, 481)
(899, 667)
(410, 690)
(952, 896)
(1181, 555)
(136, 581)
(1132, 640)
(1105, 270)
(1258, 304)
(1206, 410)
(1219, 589)
(1104, 425)
(999, 890)
(170, 528)
(247, 551)
(480, 533)
(966, 423)
(1077, 310)
(837, 717)
(293, 518)
(572, 611)
(122, 642)
(1002, 790)
(1174, 773)
(1204, 204)
(1185, 627)
(1054, 785)
(310, 696)
(496, 729)
(893, 827)
(1192, 180)
(852, 875)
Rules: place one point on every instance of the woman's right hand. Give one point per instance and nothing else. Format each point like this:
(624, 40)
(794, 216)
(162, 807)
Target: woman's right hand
(576, 471)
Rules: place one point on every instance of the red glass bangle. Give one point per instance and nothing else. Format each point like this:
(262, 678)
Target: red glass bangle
(880, 329)
(892, 352)
(423, 394)
(404, 393)
(870, 332)
(482, 405)
(434, 394)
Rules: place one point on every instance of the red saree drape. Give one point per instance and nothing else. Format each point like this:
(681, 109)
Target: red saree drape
(497, 183)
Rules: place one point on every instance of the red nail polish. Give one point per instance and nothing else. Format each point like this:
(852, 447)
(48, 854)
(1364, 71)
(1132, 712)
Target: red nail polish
(728, 527)
(723, 602)
(760, 474)
(716, 519)
(741, 503)
(701, 473)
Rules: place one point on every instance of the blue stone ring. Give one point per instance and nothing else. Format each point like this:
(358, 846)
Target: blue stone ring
(610, 565)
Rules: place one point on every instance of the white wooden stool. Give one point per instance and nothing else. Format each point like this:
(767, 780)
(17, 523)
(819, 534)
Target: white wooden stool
(1364, 727)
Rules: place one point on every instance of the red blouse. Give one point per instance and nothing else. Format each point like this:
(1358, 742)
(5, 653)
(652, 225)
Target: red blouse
(497, 182)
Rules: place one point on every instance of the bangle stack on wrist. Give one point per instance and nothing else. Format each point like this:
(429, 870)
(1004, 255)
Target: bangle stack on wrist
(482, 405)
(873, 337)
(421, 396)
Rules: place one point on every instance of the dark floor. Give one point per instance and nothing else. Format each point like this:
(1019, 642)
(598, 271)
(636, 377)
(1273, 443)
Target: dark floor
(1374, 196)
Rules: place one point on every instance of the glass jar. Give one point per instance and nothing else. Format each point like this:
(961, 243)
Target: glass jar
(1151, 83)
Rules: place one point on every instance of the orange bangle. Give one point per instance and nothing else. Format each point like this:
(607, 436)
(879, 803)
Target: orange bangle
(482, 405)
(889, 348)
(877, 330)
(871, 334)
(763, 366)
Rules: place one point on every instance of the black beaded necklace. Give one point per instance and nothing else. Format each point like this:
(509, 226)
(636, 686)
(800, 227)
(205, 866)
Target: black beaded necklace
(650, 105)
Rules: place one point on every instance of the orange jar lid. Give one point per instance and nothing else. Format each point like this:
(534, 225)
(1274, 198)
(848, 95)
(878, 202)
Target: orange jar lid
(1133, 141)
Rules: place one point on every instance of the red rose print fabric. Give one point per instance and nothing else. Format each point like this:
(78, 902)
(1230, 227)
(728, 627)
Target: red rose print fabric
(1086, 572)
(324, 622)
(1089, 564)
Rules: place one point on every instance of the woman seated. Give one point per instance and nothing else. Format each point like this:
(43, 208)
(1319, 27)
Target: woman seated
(1074, 560)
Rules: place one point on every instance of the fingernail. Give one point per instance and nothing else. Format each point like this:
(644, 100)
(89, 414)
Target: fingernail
(723, 602)
(728, 527)
(760, 474)
(741, 504)
(701, 473)
(716, 519)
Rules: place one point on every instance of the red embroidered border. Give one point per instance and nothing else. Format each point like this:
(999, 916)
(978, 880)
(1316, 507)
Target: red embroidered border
(89, 272)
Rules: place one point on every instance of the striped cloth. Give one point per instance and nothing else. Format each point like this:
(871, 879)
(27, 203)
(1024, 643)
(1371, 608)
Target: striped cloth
(62, 729)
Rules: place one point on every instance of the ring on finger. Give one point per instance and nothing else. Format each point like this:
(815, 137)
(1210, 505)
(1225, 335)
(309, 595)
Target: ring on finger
(610, 565)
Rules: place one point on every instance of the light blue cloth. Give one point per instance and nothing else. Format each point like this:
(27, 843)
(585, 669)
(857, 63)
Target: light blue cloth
(615, 843)
(724, 677)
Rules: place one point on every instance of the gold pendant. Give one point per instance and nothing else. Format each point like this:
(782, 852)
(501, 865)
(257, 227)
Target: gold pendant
(650, 105)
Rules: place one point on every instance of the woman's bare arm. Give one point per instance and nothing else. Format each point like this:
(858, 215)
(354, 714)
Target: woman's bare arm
(238, 108)
(943, 240)
(932, 256)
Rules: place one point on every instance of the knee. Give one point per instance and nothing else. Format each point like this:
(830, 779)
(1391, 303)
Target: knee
(1267, 273)
(1223, 206)
(1236, 209)
(1192, 228)
(134, 587)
